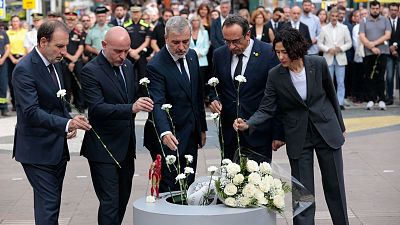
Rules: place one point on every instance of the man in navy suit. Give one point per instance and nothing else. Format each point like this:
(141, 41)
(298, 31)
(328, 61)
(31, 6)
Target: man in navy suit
(252, 59)
(175, 79)
(109, 89)
(43, 123)
(216, 37)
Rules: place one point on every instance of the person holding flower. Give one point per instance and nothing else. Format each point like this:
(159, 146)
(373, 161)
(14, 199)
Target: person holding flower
(109, 89)
(43, 122)
(252, 59)
(300, 91)
(179, 115)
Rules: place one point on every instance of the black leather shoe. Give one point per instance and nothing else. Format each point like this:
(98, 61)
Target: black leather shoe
(389, 102)
(342, 107)
(4, 113)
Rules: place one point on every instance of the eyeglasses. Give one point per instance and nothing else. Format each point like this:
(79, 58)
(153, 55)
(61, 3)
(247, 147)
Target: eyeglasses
(85, 20)
(235, 42)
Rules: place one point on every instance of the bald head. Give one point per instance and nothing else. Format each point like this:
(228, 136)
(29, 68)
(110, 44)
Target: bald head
(116, 45)
(295, 13)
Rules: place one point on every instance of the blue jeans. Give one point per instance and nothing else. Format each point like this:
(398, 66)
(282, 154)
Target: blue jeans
(339, 72)
(3, 86)
(391, 69)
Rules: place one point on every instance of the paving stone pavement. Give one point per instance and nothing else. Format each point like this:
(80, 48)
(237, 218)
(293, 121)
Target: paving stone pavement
(372, 174)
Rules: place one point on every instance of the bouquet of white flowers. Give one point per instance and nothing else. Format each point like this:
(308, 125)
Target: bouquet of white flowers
(250, 185)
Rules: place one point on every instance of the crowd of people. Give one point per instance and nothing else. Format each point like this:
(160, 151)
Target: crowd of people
(291, 57)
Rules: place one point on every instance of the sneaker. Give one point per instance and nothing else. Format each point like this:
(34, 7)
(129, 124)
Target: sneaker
(346, 102)
(382, 105)
(370, 104)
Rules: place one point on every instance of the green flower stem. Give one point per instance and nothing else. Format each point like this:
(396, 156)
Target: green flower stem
(371, 76)
(207, 195)
(173, 132)
(155, 129)
(219, 130)
(237, 117)
(76, 80)
(98, 137)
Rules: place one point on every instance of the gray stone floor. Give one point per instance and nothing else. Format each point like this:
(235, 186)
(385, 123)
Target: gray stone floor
(371, 167)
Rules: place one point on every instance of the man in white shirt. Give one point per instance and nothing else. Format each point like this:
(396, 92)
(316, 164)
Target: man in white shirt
(314, 26)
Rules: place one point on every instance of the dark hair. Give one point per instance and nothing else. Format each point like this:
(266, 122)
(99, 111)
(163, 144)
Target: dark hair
(278, 9)
(184, 11)
(167, 10)
(47, 29)
(306, 1)
(341, 8)
(13, 16)
(393, 4)
(293, 42)
(374, 3)
(214, 10)
(236, 19)
(120, 5)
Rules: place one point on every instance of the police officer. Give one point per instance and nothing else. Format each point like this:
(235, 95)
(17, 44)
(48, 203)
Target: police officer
(139, 32)
(4, 51)
(72, 63)
(97, 33)
(31, 37)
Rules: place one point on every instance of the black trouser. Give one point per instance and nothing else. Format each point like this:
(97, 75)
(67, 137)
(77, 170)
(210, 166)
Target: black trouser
(73, 85)
(140, 71)
(331, 165)
(358, 80)
(375, 68)
(10, 70)
(113, 188)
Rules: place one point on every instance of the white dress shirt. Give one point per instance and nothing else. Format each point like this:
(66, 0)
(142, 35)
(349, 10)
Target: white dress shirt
(245, 60)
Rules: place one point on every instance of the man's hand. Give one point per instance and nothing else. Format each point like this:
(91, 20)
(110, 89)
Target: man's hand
(369, 45)
(314, 41)
(240, 124)
(134, 54)
(79, 122)
(143, 104)
(170, 141)
(215, 107)
(71, 134)
(203, 139)
(2, 60)
(332, 51)
(376, 51)
(276, 144)
(71, 66)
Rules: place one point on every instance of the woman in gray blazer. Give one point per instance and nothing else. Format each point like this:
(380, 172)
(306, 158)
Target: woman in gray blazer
(300, 91)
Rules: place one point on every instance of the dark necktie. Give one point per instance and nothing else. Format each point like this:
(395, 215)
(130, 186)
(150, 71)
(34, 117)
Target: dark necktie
(53, 74)
(393, 26)
(120, 78)
(183, 70)
(238, 69)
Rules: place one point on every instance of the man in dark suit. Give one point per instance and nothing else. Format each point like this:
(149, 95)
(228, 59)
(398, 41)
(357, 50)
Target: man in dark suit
(295, 23)
(393, 61)
(300, 91)
(120, 15)
(43, 122)
(175, 80)
(275, 23)
(253, 59)
(216, 37)
(109, 89)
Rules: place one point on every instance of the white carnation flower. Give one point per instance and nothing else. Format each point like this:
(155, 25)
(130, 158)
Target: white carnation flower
(213, 81)
(238, 179)
(259, 195)
(279, 201)
(277, 183)
(61, 93)
(265, 168)
(241, 79)
(249, 190)
(254, 178)
(170, 159)
(226, 161)
(180, 176)
(244, 201)
(230, 189)
(150, 199)
(189, 158)
(266, 184)
(188, 170)
(166, 107)
(252, 166)
(214, 116)
(144, 81)
(232, 169)
(230, 202)
(212, 169)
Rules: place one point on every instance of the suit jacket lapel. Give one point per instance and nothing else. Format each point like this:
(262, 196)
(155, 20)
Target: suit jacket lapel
(288, 83)
(252, 63)
(310, 76)
(193, 75)
(108, 70)
(171, 66)
(129, 80)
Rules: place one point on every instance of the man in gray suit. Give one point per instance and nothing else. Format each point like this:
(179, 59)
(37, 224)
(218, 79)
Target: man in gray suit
(301, 92)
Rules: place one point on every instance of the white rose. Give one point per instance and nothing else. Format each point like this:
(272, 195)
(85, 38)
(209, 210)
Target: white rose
(180, 176)
(266, 184)
(232, 169)
(279, 201)
(170, 159)
(150, 199)
(226, 161)
(241, 79)
(214, 116)
(230, 189)
(265, 168)
(230, 202)
(277, 183)
(244, 201)
(188, 170)
(254, 178)
(395, 44)
(238, 179)
(212, 169)
(61, 93)
(259, 195)
(252, 166)
(144, 81)
(213, 81)
(189, 158)
(166, 107)
(249, 190)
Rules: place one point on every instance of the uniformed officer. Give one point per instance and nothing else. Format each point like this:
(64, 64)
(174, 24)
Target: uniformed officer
(139, 32)
(97, 32)
(72, 63)
(4, 51)
(31, 36)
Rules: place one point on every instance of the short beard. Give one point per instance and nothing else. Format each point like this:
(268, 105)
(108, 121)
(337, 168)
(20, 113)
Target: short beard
(375, 16)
